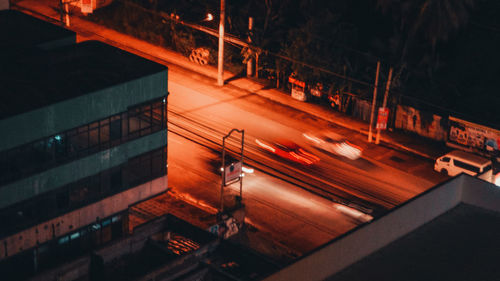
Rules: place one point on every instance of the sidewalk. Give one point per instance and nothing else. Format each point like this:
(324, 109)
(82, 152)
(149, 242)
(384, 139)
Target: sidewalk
(421, 146)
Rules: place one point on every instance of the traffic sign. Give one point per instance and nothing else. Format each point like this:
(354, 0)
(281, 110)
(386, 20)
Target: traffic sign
(86, 6)
(232, 172)
(383, 115)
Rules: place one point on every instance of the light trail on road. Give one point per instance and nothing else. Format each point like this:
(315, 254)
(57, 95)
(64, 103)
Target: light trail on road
(282, 211)
(209, 137)
(341, 179)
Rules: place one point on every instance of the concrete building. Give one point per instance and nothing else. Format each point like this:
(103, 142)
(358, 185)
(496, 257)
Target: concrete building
(449, 232)
(83, 137)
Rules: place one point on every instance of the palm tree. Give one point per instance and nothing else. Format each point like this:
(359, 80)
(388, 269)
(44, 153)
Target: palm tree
(425, 22)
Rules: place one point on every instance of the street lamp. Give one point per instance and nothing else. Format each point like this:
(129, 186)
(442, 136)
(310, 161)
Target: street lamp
(209, 17)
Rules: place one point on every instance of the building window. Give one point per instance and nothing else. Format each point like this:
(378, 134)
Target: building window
(136, 171)
(115, 130)
(90, 138)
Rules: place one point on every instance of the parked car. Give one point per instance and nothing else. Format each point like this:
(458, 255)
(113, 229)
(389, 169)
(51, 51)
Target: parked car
(457, 161)
(334, 143)
(289, 150)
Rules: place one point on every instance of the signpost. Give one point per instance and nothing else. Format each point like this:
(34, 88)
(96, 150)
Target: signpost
(234, 169)
(86, 6)
(232, 173)
(298, 89)
(383, 116)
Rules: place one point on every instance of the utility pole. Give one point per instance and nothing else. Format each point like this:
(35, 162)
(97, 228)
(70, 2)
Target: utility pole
(388, 85)
(249, 39)
(373, 102)
(220, 66)
(64, 12)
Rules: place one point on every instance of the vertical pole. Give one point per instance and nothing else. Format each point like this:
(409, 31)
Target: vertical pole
(66, 13)
(220, 68)
(278, 76)
(249, 39)
(242, 145)
(223, 183)
(257, 65)
(373, 102)
(61, 11)
(387, 86)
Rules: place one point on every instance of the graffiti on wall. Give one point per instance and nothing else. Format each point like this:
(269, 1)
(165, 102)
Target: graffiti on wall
(474, 136)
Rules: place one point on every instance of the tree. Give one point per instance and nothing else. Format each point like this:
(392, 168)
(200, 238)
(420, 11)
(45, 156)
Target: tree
(420, 26)
(318, 42)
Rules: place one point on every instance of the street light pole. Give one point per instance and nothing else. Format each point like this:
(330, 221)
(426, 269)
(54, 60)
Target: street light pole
(220, 66)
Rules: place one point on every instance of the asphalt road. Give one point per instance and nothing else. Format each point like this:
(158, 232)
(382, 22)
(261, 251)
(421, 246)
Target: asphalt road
(211, 112)
(277, 197)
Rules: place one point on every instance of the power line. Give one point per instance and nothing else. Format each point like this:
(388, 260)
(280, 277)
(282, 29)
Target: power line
(233, 40)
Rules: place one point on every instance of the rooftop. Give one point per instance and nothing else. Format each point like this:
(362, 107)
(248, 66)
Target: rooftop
(462, 244)
(23, 32)
(40, 79)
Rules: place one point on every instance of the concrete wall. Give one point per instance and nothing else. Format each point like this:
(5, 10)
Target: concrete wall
(410, 119)
(65, 115)
(371, 237)
(87, 215)
(73, 171)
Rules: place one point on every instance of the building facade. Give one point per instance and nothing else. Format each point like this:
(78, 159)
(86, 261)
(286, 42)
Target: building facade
(84, 135)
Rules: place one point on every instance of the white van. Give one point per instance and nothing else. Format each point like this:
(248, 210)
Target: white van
(458, 161)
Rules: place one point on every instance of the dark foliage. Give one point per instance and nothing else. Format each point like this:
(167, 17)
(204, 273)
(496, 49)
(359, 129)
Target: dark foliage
(444, 52)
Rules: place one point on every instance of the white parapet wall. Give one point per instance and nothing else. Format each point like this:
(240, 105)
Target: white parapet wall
(481, 193)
